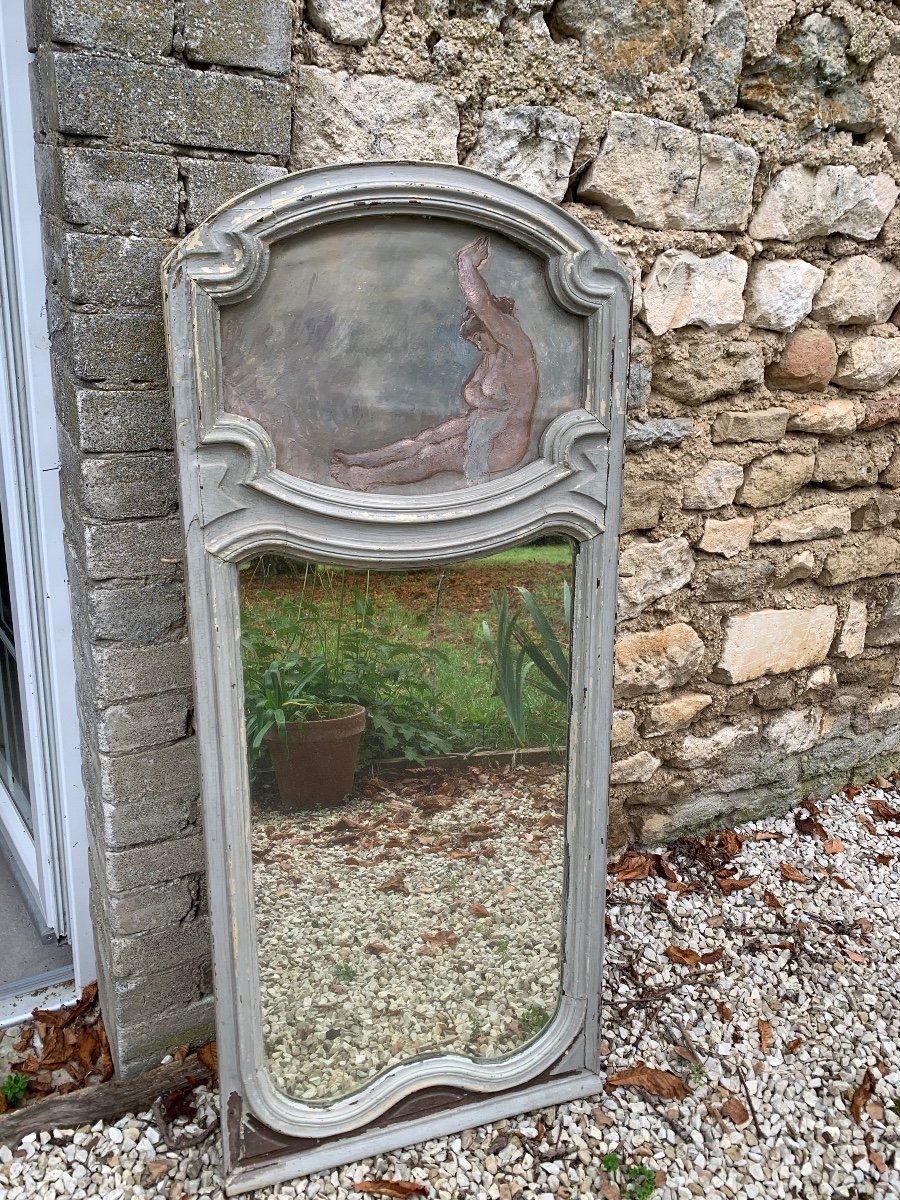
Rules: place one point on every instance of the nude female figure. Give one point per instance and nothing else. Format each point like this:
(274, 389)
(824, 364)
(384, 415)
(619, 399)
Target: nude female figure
(500, 396)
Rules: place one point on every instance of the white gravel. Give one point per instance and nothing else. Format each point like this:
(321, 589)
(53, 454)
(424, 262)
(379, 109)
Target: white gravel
(822, 968)
(429, 919)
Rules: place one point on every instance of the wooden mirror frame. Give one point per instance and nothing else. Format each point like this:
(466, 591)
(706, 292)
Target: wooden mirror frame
(235, 503)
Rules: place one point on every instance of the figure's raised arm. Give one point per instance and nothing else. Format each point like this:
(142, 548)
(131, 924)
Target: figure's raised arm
(478, 295)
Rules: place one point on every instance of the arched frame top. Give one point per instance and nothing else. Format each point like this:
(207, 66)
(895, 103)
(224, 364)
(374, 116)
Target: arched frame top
(237, 502)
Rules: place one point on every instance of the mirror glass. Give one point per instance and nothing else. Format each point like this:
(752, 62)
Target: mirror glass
(407, 743)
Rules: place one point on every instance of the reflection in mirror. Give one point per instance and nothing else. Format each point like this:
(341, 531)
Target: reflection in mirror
(407, 742)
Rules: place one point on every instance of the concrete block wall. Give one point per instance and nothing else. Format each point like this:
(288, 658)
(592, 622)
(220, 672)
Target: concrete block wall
(148, 116)
(742, 158)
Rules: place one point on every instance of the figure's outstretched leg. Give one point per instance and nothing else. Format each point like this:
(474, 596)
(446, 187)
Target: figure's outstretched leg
(448, 455)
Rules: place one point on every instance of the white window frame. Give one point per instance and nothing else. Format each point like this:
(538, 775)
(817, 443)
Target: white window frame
(56, 858)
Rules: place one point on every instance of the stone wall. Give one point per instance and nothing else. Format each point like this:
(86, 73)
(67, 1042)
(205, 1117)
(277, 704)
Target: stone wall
(742, 158)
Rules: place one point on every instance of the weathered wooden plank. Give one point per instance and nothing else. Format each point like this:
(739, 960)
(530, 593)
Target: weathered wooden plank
(101, 1101)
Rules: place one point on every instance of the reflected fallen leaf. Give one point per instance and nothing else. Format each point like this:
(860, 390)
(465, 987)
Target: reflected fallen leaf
(861, 1096)
(735, 1110)
(396, 883)
(666, 1084)
(788, 871)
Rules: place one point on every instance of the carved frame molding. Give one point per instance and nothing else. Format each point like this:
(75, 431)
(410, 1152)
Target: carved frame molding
(235, 502)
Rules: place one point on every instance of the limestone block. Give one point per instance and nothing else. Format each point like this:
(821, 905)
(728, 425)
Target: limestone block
(99, 97)
(120, 421)
(859, 290)
(641, 502)
(674, 714)
(649, 570)
(622, 727)
(807, 364)
(886, 631)
(831, 418)
(876, 554)
(780, 293)
(697, 752)
(639, 768)
(684, 289)
(347, 22)
(884, 712)
(765, 425)
(727, 538)
(344, 118)
(255, 34)
(717, 65)
(695, 374)
(209, 184)
(890, 476)
(795, 731)
(529, 145)
(655, 661)
(118, 192)
(843, 465)
(625, 39)
(659, 431)
(880, 411)
(801, 566)
(773, 641)
(870, 363)
(809, 80)
(741, 582)
(805, 202)
(852, 639)
(879, 510)
(640, 374)
(775, 478)
(824, 521)
(712, 485)
(658, 175)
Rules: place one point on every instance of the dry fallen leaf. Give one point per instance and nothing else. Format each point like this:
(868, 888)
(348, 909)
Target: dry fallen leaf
(378, 948)
(682, 955)
(883, 810)
(602, 1119)
(839, 879)
(856, 957)
(725, 1013)
(878, 1163)
(765, 1035)
(157, 1167)
(479, 910)
(771, 901)
(767, 835)
(395, 884)
(441, 939)
(833, 846)
(711, 956)
(791, 873)
(793, 1044)
(631, 867)
(392, 1187)
(884, 860)
(736, 885)
(730, 843)
(861, 1096)
(610, 1190)
(208, 1054)
(735, 1110)
(666, 1084)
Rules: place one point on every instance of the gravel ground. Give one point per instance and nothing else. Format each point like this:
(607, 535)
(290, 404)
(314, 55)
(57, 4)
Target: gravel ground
(429, 914)
(782, 1048)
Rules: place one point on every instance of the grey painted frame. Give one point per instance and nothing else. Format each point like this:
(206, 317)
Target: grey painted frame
(236, 503)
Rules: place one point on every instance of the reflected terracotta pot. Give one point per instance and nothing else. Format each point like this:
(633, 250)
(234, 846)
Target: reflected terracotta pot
(319, 762)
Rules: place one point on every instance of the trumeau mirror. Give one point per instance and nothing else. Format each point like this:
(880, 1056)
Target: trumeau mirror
(399, 395)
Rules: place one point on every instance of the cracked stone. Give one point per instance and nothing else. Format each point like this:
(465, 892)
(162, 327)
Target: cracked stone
(773, 641)
(660, 176)
(780, 293)
(870, 363)
(528, 145)
(824, 521)
(805, 202)
(650, 570)
(775, 478)
(684, 289)
(859, 290)
(713, 485)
